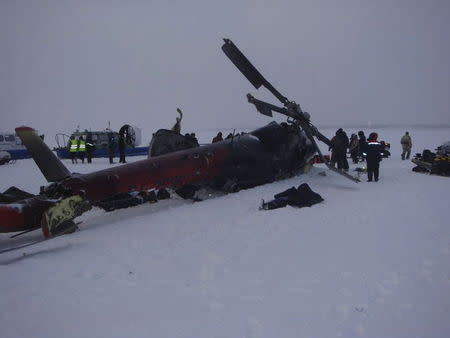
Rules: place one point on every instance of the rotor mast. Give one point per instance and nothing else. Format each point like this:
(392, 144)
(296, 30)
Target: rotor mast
(291, 109)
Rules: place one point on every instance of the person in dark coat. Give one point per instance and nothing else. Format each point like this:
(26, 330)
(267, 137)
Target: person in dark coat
(354, 148)
(361, 143)
(346, 143)
(218, 137)
(111, 147)
(81, 148)
(90, 148)
(339, 145)
(373, 151)
(122, 145)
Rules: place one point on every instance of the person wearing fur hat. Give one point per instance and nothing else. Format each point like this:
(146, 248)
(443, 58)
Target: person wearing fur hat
(362, 142)
(354, 148)
(339, 145)
(373, 151)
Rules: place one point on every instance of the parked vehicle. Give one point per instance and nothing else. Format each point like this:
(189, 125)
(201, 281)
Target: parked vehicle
(11, 144)
(100, 138)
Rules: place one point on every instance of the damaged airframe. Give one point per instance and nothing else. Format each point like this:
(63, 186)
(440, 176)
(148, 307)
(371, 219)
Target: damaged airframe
(272, 152)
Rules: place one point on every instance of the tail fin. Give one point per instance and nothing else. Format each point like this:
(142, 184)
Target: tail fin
(50, 165)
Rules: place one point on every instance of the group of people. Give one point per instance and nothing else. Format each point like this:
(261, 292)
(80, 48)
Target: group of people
(121, 145)
(80, 148)
(83, 147)
(360, 149)
(340, 143)
(371, 150)
(219, 136)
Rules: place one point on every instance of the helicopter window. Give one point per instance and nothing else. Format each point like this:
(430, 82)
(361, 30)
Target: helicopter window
(1, 138)
(10, 138)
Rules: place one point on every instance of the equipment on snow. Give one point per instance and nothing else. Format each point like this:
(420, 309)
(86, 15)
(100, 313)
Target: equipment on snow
(59, 218)
(299, 197)
(437, 163)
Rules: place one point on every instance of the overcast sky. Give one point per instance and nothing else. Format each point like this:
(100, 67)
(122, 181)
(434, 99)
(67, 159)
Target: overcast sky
(86, 62)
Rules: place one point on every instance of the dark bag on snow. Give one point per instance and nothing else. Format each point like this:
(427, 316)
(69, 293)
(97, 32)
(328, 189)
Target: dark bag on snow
(299, 197)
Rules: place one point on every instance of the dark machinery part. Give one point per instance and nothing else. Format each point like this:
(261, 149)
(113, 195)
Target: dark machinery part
(129, 135)
(291, 109)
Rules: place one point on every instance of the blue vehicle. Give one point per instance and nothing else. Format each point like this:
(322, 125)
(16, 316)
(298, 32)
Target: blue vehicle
(10, 144)
(100, 139)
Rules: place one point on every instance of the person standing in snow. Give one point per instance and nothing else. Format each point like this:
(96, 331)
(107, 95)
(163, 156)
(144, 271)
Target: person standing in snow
(89, 147)
(406, 145)
(218, 137)
(111, 147)
(122, 146)
(373, 150)
(81, 148)
(361, 143)
(354, 148)
(339, 145)
(72, 145)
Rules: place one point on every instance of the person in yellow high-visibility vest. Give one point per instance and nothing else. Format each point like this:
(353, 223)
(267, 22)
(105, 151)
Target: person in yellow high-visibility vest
(81, 148)
(72, 146)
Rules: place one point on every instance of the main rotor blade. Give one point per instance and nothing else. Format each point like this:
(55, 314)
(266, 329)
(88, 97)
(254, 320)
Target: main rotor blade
(248, 70)
(243, 64)
(321, 137)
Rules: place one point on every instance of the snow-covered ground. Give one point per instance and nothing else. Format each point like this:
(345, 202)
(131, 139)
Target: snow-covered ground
(372, 260)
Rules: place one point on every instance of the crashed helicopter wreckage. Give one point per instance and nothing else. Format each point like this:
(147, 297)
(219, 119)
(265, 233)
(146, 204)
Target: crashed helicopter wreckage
(272, 152)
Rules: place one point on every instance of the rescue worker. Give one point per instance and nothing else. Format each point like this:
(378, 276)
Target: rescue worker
(111, 147)
(122, 149)
(89, 147)
(81, 148)
(406, 145)
(354, 148)
(373, 151)
(361, 144)
(72, 146)
(177, 126)
(339, 145)
(345, 140)
(218, 137)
